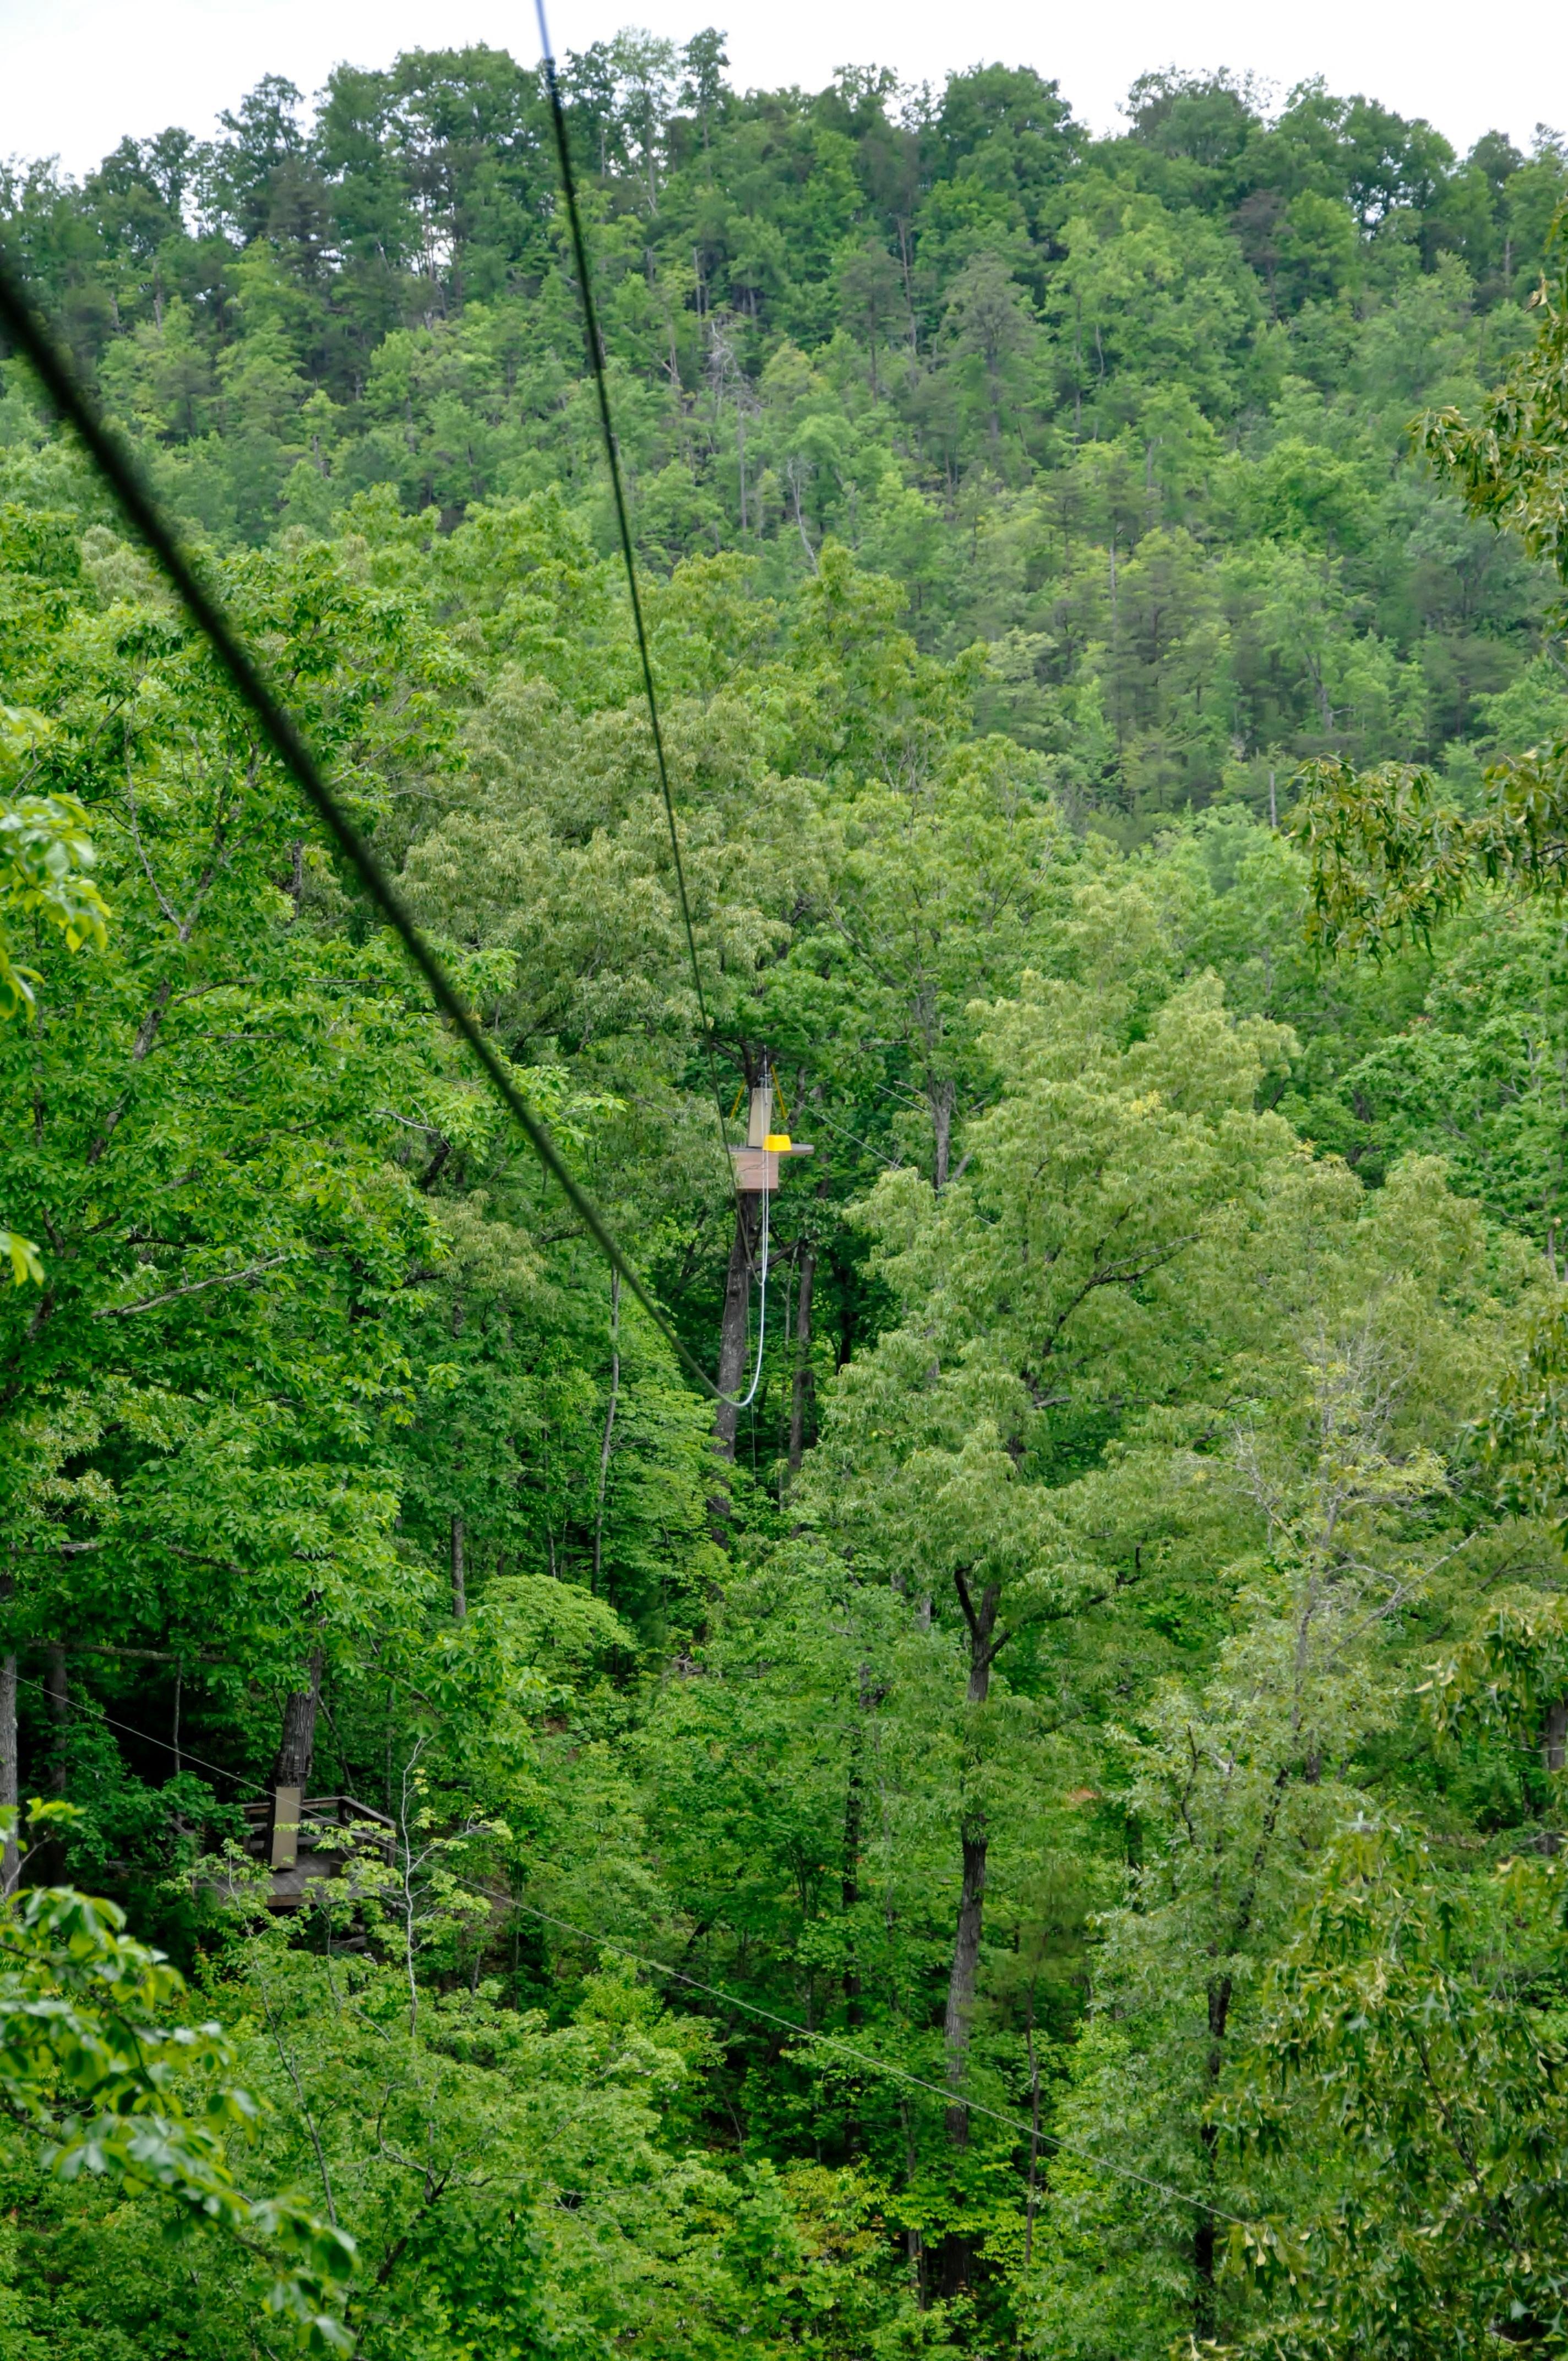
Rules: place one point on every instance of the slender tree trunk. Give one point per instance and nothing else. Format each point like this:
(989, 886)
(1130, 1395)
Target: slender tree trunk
(608, 1419)
(732, 1332)
(914, 2247)
(10, 1791)
(800, 521)
(1205, 2309)
(974, 1842)
(849, 1884)
(1034, 2199)
(941, 1097)
(740, 455)
(57, 1690)
(802, 1390)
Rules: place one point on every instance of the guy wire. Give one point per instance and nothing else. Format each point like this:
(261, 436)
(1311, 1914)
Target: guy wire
(278, 728)
(864, 2057)
(612, 458)
(867, 2057)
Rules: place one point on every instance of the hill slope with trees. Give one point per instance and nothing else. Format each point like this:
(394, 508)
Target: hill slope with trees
(1043, 1831)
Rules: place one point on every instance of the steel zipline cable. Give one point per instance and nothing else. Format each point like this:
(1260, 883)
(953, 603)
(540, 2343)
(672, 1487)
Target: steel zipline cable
(594, 344)
(119, 469)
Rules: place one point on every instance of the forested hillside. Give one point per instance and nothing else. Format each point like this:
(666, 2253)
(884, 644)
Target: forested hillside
(1040, 1832)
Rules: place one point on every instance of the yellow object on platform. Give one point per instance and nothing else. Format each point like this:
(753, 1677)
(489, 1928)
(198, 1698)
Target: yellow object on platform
(777, 1142)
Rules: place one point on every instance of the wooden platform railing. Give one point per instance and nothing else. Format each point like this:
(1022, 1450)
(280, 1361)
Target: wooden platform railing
(304, 1838)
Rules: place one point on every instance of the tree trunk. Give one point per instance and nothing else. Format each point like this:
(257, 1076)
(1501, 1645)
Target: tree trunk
(975, 1842)
(802, 1390)
(10, 1795)
(1032, 2205)
(57, 1690)
(957, 2256)
(737, 1302)
(941, 1097)
(609, 1421)
(292, 1767)
(1205, 2308)
(849, 1883)
(460, 1578)
(981, 1622)
(297, 1745)
(913, 2245)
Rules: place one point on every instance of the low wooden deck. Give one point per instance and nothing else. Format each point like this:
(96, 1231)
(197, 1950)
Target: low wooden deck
(299, 1839)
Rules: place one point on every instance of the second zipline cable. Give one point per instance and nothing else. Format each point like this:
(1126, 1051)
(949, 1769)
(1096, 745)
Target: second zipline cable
(860, 2057)
(595, 346)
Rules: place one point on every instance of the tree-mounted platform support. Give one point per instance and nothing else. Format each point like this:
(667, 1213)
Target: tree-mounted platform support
(757, 1164)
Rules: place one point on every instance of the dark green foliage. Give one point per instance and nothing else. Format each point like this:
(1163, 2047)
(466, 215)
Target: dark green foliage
(1131, 411)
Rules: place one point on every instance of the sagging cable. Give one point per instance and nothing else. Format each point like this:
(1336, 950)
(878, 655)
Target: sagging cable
(120, 472)
(750, 1396)
(594, 343)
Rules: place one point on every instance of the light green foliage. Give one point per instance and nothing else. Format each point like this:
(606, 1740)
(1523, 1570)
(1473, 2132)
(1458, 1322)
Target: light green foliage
(1236, 1787)
(170, 1162)
(119, 2097)
(1413, 2035)
(46, 855)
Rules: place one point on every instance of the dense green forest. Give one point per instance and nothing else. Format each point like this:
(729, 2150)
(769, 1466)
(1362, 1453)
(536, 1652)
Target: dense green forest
(1039, 1834)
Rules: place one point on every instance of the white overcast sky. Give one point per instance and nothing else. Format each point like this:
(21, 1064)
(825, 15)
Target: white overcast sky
(75, 75)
